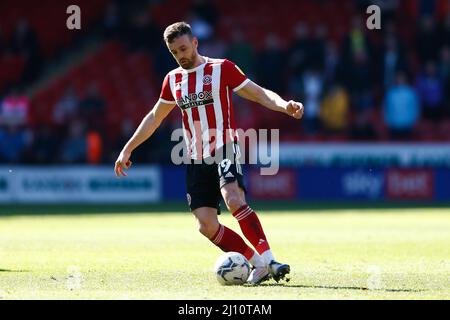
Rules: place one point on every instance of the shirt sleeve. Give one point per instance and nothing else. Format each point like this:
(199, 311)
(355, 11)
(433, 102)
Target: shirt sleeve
(166, 95)
(234, 77)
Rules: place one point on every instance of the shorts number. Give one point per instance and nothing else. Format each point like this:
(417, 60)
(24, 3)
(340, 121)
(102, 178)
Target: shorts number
(225, 164)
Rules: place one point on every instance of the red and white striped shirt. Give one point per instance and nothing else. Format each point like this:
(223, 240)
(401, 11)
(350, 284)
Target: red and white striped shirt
(204, 95)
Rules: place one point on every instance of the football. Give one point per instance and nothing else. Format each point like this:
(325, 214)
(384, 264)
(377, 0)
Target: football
(232, 268)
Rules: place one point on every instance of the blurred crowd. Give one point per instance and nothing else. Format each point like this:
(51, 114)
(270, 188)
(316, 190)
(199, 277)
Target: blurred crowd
(366, 86)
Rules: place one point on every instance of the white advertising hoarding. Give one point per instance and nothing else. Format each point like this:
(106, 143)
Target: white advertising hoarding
(79, 184)
(357, 154)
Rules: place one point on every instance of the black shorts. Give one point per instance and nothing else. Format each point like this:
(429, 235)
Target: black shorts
(205, 179)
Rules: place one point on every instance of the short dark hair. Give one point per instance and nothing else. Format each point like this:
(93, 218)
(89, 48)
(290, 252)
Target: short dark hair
(176, 30)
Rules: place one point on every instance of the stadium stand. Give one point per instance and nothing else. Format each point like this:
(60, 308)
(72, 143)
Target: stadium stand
(308, 47)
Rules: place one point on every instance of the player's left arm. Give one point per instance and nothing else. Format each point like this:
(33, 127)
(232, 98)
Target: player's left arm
(270, 100)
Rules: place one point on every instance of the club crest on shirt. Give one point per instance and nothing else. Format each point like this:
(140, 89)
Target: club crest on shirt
(207, 79)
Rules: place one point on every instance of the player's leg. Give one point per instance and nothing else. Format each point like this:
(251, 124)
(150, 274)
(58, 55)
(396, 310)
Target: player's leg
(207, 220)
(226, 239)
(233, 192)
(204, 201)
(251, 227)
(234, 197)
(232, 200)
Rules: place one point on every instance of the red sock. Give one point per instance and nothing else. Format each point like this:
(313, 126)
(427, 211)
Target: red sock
(251, 228)
(228, 240)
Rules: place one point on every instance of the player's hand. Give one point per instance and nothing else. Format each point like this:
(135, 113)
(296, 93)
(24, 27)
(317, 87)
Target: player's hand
(294, 109)
(122, 162)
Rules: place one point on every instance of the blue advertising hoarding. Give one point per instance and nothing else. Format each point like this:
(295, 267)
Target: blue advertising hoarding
(319, 183)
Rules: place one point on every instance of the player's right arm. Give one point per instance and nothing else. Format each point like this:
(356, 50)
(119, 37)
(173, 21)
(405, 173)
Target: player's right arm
(148, 125)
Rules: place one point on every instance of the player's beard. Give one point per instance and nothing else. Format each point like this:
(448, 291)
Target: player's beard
(189, 63)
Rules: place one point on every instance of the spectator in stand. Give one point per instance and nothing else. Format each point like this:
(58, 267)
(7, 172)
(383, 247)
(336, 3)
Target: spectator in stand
(14, 108)
(444, 65)
(207, 11)
(43, 147)
(310, 91)
(401, 109)
(159, 149)
(126, 131)
(427, 7)
(358, 77)
(444, 31)
(445, 76)
(271, 62)
(214, 47)
(74, 148)
(356, 42)
(316, 54)
(114, 21)
(24, 42)
(92, 106)
(431, 92)
(393, 59)
(155, 150)
(14, 141)
(331, 62)
(164, 61)
(94, 145)
(299, 50)
(242, 52)
(334, 110)
(66, 108)
(143, 33)
(200, 27)
(427, 40)
(355, 69)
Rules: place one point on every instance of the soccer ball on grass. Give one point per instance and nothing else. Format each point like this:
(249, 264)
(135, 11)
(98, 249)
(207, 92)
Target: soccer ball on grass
(232, 268)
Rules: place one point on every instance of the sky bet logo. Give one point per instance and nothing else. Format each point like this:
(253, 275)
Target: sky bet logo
(195, 99)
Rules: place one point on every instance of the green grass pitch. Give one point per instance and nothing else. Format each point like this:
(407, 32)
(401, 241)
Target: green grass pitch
(155, 253)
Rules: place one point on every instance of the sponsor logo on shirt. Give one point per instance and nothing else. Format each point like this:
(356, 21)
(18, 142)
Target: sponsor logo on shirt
(195, 99)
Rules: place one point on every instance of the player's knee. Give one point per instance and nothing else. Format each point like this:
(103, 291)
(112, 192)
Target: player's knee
(208, 228)
(233, 201)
